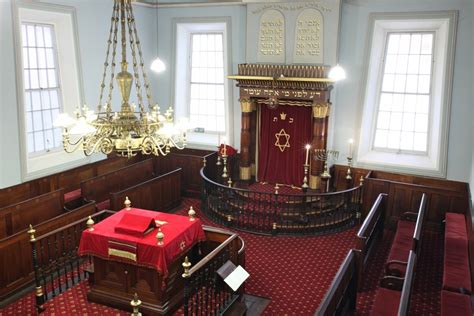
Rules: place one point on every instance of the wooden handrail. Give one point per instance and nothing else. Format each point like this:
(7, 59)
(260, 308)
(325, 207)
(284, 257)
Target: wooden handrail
(150, 180)
(203, 175)
(420, 217)
(362, 233)
(212, 254)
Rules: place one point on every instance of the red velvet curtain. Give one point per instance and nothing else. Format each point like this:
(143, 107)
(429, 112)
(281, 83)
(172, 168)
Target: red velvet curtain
(284, 132)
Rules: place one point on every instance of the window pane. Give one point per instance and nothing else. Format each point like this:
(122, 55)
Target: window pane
(381, 138)
(34, 81)
(48, 42)
(39, 141)
(57, 137)
(26, 79)
(49, 58)
(43, 78)
(47, 120)
(52, 79)
(26, 63)
(31, 143)
(45, 101)
(39, 36)
(426, 44)
(31, 35)
(33, 62)
(27, 101)
(407, 73)
(41, 58)
(29, 122)
(49, 139)
(36, 100)
(37, 121)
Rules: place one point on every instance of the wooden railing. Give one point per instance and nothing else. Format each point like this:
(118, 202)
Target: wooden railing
(271, 213)
(205, 293)
(56, 263)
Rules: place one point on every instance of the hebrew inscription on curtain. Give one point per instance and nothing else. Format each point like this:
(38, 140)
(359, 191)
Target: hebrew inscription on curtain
(284, 132)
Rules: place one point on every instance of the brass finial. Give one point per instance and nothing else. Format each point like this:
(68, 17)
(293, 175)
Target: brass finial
(229, 182)
(127, 203)
(186, 265)
(160, 236)
(276, 188)
(361, 180)
(274, 226)
(204, 162)
(229, 218)
(90, 224)
(135, 303)
(192, 214)
(32, 232)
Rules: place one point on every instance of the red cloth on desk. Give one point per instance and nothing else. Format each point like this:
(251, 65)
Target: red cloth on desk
(180, 235)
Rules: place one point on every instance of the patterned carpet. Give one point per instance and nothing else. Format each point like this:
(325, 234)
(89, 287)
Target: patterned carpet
(294, 272)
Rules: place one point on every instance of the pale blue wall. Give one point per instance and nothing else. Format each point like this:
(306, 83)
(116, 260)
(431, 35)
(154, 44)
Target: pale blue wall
(347, 110)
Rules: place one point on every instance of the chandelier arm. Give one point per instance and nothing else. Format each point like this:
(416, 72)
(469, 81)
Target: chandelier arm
(107, 55)
(114, 54)
(142, 62)
(157, 146)
(133, 48)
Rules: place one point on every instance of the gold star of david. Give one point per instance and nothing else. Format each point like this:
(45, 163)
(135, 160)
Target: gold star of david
(278, 137)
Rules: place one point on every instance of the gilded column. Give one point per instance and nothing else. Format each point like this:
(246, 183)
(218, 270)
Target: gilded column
(253, 139)
(245, 139)
(320, 131)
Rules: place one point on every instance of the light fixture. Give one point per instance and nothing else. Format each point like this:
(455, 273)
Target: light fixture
(337, 73)
(128, 131)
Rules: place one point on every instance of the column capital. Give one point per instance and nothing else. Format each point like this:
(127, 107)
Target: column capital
(246, 105)
(321, 110)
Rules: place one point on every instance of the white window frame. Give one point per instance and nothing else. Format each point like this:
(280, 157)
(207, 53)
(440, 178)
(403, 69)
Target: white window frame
(182, 30)
(434, 161)
(64, 20)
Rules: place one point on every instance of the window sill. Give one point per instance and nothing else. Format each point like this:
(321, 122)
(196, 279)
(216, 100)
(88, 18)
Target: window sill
(402, 163)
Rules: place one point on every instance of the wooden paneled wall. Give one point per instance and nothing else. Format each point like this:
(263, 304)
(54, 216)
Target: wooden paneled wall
(190, 161)
(159, 194)
(68, 180)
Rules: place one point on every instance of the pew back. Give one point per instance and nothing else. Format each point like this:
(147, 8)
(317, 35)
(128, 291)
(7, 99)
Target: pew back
(404, 306)
(160, 193)
(420, 220)
(16, 217)
(341, 297)
(99, 188)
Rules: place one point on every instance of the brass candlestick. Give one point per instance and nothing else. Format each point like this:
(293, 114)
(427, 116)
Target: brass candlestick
(160, 236)
(90, 224)
(305, 178)
(349, 172)
(224, 170)
(127, 203)
(229, 182)
(135, 303)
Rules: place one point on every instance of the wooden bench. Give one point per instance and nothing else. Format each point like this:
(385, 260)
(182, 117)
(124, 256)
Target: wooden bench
(456, 273)
(99, 188)
(159, 193)
(341, 298)
(393, 295)
(46, 212)
(371, 229)
(407, 237)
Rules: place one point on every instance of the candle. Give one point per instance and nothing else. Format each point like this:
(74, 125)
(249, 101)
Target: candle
(308, 146)
(224, 140)
(351, 141)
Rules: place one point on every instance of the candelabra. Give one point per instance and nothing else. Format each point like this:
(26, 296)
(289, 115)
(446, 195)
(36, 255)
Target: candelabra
(325, 155)
(224, 169)
(349, 172)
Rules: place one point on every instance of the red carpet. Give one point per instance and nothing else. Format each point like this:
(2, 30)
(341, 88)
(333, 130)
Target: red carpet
(294, 272)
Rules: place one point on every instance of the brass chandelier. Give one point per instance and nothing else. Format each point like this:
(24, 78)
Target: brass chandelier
(127, 132)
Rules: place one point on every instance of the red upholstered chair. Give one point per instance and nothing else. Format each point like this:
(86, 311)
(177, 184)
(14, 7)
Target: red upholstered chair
(455, 304)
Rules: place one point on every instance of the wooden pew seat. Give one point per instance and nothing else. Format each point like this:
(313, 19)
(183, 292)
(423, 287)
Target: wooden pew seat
(455, 304)
(456, 274)
(402, 244)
